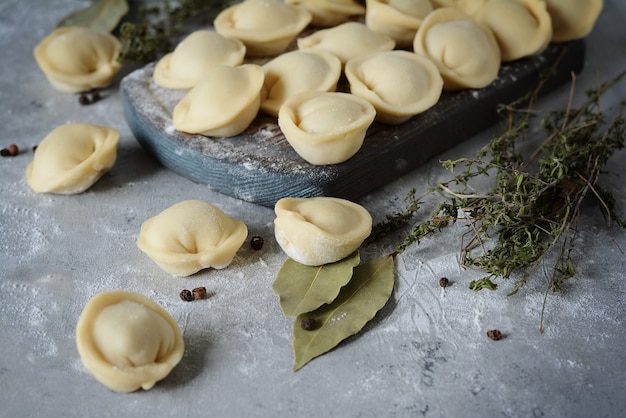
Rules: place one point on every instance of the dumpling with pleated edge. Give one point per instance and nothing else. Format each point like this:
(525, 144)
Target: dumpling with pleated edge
(223, 103)
(295, 72)
(320, 230)
(399, 19)
(77, 59)
(327, 13)
(193, 56)
(266, 27)
(127, 341)
(347, 41)
(464, 50)
(325, 127)
(190, 236)
(72, 157)
(399, 84)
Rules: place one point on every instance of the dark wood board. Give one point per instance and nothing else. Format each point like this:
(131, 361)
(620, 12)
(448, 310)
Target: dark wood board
(260, 166)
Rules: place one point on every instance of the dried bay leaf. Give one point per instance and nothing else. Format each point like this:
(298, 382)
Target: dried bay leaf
(302, 288)
(100, 15)
(357, 303)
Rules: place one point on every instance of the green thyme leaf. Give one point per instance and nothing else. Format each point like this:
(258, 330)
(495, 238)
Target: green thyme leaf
(153, 33)
(302, 288)
(357, 303)
(100, 15)
(481, 284)
(541, 170)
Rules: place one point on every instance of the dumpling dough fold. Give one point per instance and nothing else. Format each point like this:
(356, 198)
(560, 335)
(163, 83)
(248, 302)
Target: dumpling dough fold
(464, 50)
(327, 13)
(320, 230)
(521, 27)
(295, 72)
(266, 27)
(72, 157)
(399, 19)
(77, 59)
(223, 103)
(199, 51)
(190, 236)
(346, 41)
(398, 83)
(325, 128)
(127, 341)
(573, 19)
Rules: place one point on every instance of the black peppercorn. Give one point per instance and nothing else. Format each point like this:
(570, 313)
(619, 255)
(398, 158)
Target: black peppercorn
(95, 96)
(256, 242)
(494, 334)
(443, 282)
(186, 295)
(11, 151)
(308, 324)
(83, 99)
(199, 293)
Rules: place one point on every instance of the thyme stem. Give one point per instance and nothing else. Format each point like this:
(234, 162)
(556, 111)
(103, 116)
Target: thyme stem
(534, 203)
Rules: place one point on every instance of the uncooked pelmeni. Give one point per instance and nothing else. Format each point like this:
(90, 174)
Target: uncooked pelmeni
(190, 236)
(320, 230)
(266, 27)
(471, 7)
(327, 13)
(77, 59)
(295, 72)
(399, 19)
(223, 103)
(443, 3)
(72, 157)
(199, 51)
(127, 341)
(398, 83)
(573, 19)
(347, 41)
(521, 27)
(464, 50)
(325, 128)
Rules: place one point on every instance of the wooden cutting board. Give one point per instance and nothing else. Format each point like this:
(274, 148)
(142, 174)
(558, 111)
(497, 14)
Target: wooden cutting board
(260, 166)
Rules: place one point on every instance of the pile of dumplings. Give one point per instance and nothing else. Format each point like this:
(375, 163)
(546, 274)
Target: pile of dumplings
(286, 59)
(397, 57)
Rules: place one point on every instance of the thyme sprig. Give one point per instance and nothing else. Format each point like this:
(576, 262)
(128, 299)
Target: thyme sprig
(153, 33)
(534, 203)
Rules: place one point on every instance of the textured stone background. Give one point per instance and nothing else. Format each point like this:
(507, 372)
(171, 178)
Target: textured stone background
(425, 353)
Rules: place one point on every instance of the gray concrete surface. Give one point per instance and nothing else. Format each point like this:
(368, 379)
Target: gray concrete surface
(425, 354)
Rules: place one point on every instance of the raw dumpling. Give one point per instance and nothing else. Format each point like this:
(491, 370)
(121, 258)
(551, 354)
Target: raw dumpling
(223, 103)
(266, 27)
(521, 27)
(327, 13)
(190, 236)
(398, 83)
(201, 50)
(464, 50)
(398, 19)
(573, 19)
(127, 341)
(443, 3)
(347, 41)
(72, 157)
(320, 230)
(325, 128)
(77, 59)
(295, 72)
(471, 7)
